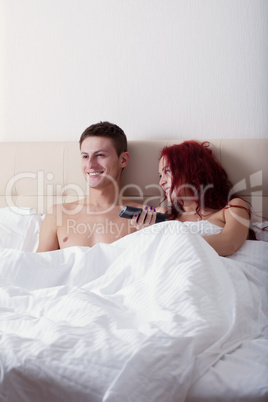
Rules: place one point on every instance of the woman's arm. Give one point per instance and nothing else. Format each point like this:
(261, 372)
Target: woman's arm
(235, 231)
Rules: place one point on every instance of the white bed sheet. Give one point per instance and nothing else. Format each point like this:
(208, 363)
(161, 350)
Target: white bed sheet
(241, 375)
(144, 318)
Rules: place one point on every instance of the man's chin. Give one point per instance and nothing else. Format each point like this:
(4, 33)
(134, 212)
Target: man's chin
(93, 180)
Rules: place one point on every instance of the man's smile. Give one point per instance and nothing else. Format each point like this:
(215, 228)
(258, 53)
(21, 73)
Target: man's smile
(94, 173)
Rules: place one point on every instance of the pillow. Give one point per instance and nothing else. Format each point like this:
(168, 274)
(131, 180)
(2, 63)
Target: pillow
(19, 228)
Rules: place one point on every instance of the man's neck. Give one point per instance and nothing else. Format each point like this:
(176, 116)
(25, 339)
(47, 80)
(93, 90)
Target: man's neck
(101, 199)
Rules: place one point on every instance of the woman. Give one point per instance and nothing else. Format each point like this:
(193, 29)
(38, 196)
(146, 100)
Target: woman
(198, 189)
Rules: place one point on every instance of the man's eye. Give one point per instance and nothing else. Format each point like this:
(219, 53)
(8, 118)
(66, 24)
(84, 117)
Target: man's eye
(84, 156)
(100, 154)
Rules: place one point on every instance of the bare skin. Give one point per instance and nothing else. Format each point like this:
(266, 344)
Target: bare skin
(63, 227)
(94, 219)
(233, 220)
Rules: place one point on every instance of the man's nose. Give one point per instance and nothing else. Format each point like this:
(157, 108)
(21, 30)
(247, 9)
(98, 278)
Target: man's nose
(91, 162)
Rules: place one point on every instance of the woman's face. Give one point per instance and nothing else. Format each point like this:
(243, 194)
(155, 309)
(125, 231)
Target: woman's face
(182, 194)
(165, 177)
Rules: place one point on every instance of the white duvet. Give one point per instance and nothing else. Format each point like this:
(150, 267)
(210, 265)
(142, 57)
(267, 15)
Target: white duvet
(137, 320)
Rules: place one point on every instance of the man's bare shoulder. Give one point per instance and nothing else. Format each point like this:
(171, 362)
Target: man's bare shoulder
(67, 206)
(74, 205)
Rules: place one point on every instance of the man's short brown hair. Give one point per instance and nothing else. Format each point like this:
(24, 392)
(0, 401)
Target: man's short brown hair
(108, 130)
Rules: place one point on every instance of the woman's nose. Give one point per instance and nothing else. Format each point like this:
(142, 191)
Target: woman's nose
(161, 181)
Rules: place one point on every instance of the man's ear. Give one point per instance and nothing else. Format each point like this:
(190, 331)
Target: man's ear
(124, 159)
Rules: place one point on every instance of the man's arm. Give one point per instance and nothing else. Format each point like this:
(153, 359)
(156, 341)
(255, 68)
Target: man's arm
(48, 239)
(235, 231)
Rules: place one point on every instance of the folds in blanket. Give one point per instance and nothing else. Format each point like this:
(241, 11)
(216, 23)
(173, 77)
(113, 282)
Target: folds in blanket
(147, 309)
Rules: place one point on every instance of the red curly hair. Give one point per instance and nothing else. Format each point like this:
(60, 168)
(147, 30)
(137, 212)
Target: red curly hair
(193, 164)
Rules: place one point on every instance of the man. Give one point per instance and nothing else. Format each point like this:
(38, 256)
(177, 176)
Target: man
(94, 219)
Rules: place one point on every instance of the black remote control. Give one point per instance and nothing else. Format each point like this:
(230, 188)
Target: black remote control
(128, 212)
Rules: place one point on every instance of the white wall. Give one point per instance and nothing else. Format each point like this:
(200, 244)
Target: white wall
(158, 68)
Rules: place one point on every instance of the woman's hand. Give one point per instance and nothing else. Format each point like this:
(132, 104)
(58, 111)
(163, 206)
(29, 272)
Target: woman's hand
(146, 218)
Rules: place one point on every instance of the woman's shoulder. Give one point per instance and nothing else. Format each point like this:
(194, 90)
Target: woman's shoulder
(239, 202)
(237, 209)
(238, 205)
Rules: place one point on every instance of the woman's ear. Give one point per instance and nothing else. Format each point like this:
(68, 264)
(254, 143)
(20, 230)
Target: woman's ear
(124, 159)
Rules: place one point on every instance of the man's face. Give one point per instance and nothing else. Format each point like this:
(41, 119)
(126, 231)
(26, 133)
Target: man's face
(100, 163)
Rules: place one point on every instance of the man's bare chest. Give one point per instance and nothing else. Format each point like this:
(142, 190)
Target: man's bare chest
(88, 229)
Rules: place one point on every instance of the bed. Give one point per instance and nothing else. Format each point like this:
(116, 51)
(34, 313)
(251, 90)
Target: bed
(155, 316)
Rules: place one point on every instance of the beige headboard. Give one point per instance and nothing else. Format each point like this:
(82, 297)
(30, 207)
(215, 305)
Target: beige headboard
(38, 174)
